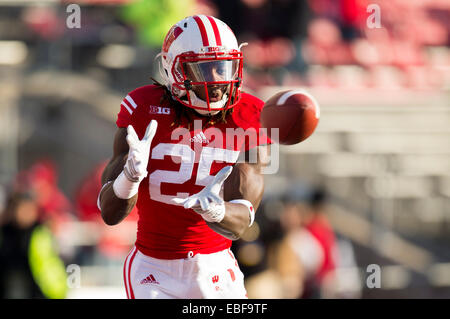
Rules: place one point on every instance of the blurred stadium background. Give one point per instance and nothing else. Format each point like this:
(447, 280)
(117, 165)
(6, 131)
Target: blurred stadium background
(381, 152)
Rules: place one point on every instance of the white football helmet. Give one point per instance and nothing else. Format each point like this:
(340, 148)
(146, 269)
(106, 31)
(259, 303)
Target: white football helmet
(201, 53)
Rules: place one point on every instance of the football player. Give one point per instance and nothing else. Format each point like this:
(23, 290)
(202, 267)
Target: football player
(176, 156)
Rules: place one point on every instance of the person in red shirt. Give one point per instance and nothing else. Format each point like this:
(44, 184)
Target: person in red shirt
(188, 155)
(112, 243)
(308, 251)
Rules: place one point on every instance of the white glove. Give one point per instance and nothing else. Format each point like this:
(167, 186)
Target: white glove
(136, 166)
(208, 202)
(126, 185)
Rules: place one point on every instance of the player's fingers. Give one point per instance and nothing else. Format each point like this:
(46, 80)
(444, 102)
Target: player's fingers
(132, 138)
(150, 131)
(222, 175)
(131, 142)
(215, 198)
(134, 155)
(131, 132)
(131, 167)
(190, 202)
(179, 201)
(204, 203)
(140, 169)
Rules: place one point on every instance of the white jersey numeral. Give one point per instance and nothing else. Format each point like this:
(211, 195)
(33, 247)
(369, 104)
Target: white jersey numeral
(187, 160)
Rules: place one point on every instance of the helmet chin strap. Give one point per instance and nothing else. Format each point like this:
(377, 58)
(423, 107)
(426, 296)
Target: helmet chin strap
(196, 101)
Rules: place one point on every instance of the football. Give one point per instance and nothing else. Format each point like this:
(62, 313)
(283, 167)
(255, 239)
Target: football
(295, 113)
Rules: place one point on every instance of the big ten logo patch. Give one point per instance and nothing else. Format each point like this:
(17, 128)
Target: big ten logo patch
(213, 49)
(154, 109)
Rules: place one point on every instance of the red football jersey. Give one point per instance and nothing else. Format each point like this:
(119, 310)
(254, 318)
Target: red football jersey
(183, 160)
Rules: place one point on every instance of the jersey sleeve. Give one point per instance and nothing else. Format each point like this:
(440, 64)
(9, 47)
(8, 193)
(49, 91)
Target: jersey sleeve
(247, 116)
(127, 107)
(134, 107)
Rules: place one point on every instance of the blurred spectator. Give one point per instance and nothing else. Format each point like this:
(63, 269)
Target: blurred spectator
(86, 195)
(286, 37)
(274, 30)
(349, 15)
(43, 21)
(55, 209)
(112, 242)
(265, 19)
(325, 45)
(347, 282)
(29, 264)
(301, 261)
(41, 179)
(306, 255)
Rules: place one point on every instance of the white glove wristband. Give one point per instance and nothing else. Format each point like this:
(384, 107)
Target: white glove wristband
(249, 205)
(124, 188)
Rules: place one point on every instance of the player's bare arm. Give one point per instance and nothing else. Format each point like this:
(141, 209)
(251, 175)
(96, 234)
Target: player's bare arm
(114, 209)
(124, 172)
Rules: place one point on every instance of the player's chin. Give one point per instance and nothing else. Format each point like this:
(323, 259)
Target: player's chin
(215, 96)
(215, 99)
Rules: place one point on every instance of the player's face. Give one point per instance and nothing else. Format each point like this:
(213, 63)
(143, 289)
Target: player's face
(215, 92)
(211, 71)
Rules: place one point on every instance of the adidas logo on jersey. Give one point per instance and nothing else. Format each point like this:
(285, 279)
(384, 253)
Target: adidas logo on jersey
(200, 138)
(154, 109)
(149, 280)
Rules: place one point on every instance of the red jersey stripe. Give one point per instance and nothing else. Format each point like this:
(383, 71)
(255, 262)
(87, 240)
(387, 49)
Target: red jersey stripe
(126, 107)
(125, 279)
(129, 271)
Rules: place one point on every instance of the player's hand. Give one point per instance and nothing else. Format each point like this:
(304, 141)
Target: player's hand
(136, 165)
(208, 202)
